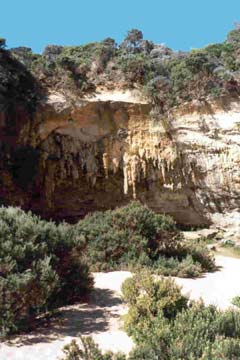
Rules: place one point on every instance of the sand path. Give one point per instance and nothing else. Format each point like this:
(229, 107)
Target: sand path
(100, 317)
(215, 288)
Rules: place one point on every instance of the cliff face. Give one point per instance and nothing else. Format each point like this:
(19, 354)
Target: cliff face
(78, 156)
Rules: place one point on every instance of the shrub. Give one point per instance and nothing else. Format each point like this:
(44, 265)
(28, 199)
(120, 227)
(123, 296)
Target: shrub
(192, 331)
(43, 265)
(200, 325)
(236, 301)
(222, 348)
(17, 87)
(233, 37)
(184, 76)
(150, 300)
(186, 259)
(157, 89)
(136, 68)
(134, 235)
(199, 254)
(2, 43)
(41, 268)
(128, 235)
(24, 55)
(166, 326)
(88, 350)
(132, 40)
(186, 268)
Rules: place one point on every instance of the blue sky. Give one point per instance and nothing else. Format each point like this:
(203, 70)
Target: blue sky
(180, 24)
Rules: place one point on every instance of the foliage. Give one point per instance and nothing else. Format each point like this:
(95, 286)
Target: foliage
(24, 55)
(43, 265)
(2, 43)
(193, 331)
(233, 37)
(222, 348)
(125, 236)
(158, 90)
(41, 268)
(148, 300)
(132, 40)
(17, 86)
(88, 350)
(236, 301)
(135, 67)
(166, 326)
(185, 268)
(134, 235)
(169, 78)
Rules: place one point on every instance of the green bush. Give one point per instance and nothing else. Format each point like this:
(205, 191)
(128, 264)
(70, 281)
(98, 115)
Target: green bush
(150, 300)
(236, 301)
(129, 235)
(43, 265)
(136, 68)
(88, 350)
(185, 268)
(41, 268)
(222, 348)
(188, 331)
(134, 235)
(169, 78)
(2, 43)
(166, 326)
(18, 87)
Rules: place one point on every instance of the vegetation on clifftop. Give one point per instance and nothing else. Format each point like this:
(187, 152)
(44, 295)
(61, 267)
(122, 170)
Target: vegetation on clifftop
(167, 77)
(18, 86)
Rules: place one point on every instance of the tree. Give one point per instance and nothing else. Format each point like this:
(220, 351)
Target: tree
(109, 42)
(132, 40)
(134, 37)
(233, 37)
(2, 43)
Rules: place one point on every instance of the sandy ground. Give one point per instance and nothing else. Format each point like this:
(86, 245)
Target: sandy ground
(100, 317)
(215, 288)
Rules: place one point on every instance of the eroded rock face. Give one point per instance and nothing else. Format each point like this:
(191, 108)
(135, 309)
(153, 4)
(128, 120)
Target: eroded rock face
(95, 155)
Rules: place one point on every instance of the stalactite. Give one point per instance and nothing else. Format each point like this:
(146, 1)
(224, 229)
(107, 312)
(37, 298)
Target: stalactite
(75, 172)
(106, 164)
(134, 173)
(141, 153)
(163, 171)
(144, 168)
(63, 173)
(50, 184)
(115, 162)
(125, 172)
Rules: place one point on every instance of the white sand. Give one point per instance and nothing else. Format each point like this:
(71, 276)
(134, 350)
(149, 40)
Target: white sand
(100, 317)
(215, 288)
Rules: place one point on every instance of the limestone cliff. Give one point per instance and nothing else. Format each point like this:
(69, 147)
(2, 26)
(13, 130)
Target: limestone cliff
(96, 153)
